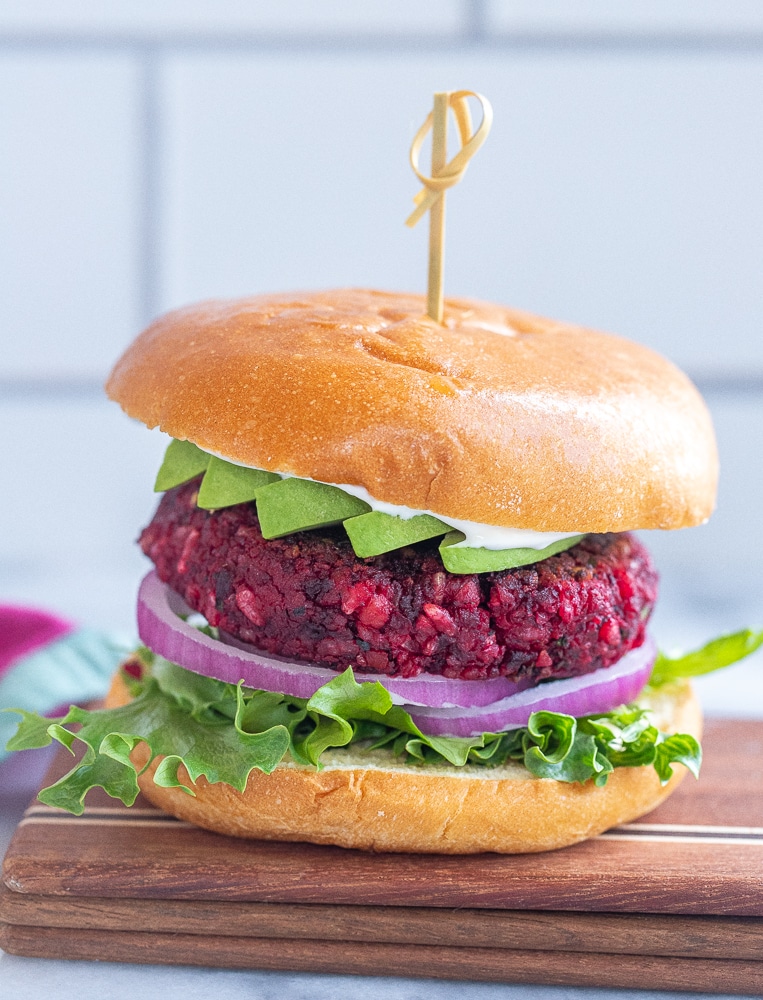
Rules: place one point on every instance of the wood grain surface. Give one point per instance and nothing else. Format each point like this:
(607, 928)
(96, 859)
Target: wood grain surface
(567, 968)
(700, 853)
(623, 933)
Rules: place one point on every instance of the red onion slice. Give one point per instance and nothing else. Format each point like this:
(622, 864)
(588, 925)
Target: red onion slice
(593, 693)
(439, 706)
(165, 633)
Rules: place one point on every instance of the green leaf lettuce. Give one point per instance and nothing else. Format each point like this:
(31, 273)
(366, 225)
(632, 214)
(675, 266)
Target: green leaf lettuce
(223, 731)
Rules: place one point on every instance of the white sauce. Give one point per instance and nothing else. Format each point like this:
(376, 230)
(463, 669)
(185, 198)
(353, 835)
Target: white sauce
(478, 536)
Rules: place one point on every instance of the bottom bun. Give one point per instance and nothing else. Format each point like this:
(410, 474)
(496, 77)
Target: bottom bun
(371, 801)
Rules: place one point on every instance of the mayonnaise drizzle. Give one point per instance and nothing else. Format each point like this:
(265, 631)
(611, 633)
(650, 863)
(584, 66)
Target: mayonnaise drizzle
(478, 536)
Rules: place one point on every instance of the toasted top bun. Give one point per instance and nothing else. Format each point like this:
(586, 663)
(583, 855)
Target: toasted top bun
(371, 801)
(496, 416)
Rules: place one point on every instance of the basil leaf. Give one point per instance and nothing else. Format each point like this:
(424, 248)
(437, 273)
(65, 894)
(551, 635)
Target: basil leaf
(715, 655)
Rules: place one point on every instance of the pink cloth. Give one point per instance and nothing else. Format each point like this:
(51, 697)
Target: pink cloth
(25, 630)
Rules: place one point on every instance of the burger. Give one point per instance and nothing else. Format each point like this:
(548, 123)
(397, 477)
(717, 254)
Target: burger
(395, 601)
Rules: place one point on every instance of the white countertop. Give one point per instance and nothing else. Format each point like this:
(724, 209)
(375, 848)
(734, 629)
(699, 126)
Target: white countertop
(34, 979)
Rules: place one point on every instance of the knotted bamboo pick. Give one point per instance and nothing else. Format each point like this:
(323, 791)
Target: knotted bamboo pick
(444, 175)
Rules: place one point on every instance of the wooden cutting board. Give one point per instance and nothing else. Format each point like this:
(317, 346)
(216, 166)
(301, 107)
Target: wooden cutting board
(673, 901)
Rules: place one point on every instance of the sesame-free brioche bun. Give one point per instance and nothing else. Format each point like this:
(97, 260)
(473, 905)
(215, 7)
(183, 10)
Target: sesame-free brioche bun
(496, 416)
(371, 801)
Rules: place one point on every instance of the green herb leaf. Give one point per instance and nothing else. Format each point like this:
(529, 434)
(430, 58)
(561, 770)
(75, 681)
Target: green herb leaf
(718, 653)
(679, 748)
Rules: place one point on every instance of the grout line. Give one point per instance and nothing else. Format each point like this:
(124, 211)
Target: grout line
(476, 27)
(91, 386)
(56, 387)
(150, 178)
(729, 384)
(235, 42)
(476, 31)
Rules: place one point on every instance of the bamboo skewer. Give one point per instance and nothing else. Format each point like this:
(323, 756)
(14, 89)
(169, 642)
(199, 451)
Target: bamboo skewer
(437, 211)
(444, 175)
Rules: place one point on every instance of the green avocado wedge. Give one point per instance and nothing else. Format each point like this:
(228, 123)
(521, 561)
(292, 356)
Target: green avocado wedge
(182, 461)
(300, 504)
(225, 485)
(467, 560)
(286, 506)
(375, 533)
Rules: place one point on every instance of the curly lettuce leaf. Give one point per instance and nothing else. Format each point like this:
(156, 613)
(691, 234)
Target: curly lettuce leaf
(341, 706)
(679, 748)
(186, 730)
(223, 731)
(714, 655)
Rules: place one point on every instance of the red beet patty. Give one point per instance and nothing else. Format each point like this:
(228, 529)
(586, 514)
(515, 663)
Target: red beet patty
(309, 597)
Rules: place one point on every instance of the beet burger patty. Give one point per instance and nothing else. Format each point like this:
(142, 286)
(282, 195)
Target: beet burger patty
(308, 597)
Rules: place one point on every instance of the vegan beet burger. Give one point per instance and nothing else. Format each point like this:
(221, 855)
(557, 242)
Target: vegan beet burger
(424, 614)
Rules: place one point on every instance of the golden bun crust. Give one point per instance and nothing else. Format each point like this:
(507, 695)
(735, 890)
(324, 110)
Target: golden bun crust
(482, 418)
(371, 802)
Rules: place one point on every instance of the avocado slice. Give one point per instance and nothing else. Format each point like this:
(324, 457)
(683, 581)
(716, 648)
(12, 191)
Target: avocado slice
(468, 560)
(183, 460)
(288, 505)
(300, 505)
(375, 533)
(225, 484)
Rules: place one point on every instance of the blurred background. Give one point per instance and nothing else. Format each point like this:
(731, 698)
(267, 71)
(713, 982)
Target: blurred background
(156, 152)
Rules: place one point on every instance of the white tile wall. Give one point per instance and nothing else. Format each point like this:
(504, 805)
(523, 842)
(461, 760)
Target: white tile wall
(82, 477)
(620, 188)
(70, 210)
(619, 191)
(710, 576)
